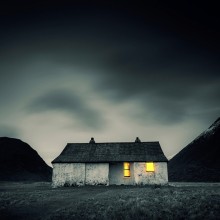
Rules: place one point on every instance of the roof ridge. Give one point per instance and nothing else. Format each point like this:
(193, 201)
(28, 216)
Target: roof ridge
(119, 142)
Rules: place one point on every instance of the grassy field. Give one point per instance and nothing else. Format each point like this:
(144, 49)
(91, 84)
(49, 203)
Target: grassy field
(177, 201)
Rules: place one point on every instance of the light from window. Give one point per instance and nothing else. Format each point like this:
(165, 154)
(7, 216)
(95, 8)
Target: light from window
(150, 167)
(126, 169)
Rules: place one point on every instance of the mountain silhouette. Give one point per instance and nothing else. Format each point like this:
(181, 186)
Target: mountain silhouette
(19, 162)
(198, 161)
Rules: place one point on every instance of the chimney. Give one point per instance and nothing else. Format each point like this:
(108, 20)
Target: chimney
(137, 140)
(92, 141)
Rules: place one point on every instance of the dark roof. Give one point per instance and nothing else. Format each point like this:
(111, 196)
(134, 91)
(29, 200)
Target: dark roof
(111, 152)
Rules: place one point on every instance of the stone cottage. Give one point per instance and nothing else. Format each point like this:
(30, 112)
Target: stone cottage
(117, 163)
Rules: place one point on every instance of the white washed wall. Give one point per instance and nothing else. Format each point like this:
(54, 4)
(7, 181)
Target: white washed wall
(97, 174)
(107, 174)
(116, 174)
(68, 173)
(159, 176)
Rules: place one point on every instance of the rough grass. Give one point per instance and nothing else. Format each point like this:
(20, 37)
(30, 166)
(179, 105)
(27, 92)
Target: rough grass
(40, 201)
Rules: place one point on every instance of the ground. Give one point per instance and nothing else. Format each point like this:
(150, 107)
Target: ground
(175, 201)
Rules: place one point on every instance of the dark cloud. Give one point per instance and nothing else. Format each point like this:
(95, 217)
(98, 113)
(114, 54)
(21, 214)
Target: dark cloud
(170, 95)
(166, 72)
(156, 66)
(69, 103)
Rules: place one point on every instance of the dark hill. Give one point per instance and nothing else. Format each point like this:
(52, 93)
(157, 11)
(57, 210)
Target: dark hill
(199, 160)
(19, 162)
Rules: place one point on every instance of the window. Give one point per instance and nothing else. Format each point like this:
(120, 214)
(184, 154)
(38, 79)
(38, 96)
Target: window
(126, 169)
(149, 166)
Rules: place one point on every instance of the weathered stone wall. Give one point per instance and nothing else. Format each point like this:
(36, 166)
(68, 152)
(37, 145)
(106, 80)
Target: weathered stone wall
(107, 174)
(159, 176)
(68, 174)
(97, 174)
(116, 174)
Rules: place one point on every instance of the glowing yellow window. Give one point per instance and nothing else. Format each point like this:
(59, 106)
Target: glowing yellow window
(126, 169)
(150, 167)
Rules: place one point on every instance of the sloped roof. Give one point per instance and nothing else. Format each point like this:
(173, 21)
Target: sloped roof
(111, 152)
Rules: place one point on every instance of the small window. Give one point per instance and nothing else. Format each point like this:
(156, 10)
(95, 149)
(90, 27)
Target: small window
(126, 169)
(150, 167)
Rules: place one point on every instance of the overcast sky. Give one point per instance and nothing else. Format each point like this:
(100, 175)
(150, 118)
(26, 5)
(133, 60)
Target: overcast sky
(69, 72)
